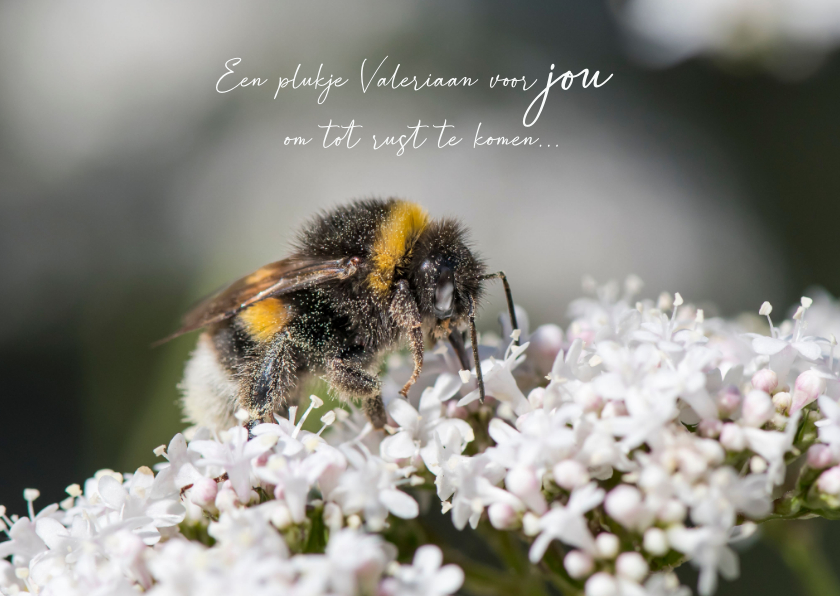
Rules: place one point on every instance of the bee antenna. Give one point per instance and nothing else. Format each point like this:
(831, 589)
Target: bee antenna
(511, 311)
(474, 342)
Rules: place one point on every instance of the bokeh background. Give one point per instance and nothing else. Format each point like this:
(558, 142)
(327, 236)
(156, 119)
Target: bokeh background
(708, 165)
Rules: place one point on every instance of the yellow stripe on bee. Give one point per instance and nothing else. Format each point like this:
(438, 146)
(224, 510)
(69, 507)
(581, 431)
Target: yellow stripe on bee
(265, 319)
(394, 241)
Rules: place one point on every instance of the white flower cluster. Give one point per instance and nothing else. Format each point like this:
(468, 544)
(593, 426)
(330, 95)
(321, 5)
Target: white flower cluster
(283, 511)
(649, 436)
(660, 437)
(781, 35)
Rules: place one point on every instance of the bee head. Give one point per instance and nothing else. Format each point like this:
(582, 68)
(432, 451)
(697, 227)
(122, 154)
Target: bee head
(444, 273)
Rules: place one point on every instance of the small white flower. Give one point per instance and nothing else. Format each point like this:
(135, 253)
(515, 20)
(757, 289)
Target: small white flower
(234, 455)
(567, 523)
(425, 576)
(708, 549)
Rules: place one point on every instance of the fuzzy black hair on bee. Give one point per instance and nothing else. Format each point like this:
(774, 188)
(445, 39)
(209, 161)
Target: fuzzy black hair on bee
(362, 279)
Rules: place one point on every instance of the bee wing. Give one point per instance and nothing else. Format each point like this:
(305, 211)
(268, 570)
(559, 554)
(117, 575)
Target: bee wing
(274, 279)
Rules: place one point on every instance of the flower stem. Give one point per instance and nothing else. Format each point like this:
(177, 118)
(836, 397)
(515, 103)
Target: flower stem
(799, 547)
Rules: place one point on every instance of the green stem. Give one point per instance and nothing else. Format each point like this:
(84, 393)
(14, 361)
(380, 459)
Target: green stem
(799, 547)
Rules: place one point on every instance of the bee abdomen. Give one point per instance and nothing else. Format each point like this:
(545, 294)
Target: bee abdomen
(209, 389)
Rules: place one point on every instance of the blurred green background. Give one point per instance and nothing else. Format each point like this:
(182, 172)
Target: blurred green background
(129, 187)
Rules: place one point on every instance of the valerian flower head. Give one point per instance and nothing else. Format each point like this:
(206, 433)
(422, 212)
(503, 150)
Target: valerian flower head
(656, 432)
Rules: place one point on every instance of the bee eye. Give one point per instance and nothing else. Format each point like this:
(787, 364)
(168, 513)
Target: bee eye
(444, 294)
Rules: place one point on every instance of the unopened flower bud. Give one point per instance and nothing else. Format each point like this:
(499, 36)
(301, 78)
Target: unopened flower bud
(732, 437)
(655, 542)
(606, 545)
(808, 387)
(281, 517)
(672, 512)
(819, 456)
(631, 566)
(524, 483)
(570, 474)
(765, 380)
(226, 499)
(614, 409)
(710, 428)
(530, 524)
(624, 505)
(579, 564)
(728, 401)
(757, 409)
(758, 465)
(601, 584)
(783, 400)
(536, 397)
(587, 399)
(545, 343)
(503, 516)
(829, 481)
(333, 517)
(203, 492)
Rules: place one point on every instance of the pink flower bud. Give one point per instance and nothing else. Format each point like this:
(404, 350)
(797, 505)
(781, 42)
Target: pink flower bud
(732, 437)
(728, 401)
(808, 387)
(829, 481)
(226, 499)
(710, 428)
(453, 410)
(579, 564)
(819, 456)
(624, 505)
(203, 492)
(614, 409)
(757, 408)
(587, 399)
(570, 474)
(545, 343)
(523, 482)
(502, 516)
(536, 397)
(765, 380)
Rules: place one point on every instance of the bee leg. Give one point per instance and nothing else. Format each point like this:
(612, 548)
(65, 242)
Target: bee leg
(405, 313)
(272, 380)
(348, 378)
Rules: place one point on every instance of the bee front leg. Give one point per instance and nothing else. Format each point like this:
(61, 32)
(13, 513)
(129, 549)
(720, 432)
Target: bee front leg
(348, 378)
(273, 379)
(405, 313)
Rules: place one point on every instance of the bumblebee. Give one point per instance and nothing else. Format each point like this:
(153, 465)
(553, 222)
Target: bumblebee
(361, 280)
